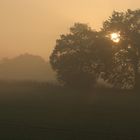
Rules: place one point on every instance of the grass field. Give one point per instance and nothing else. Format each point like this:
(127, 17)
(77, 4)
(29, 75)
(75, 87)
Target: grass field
(46, 112)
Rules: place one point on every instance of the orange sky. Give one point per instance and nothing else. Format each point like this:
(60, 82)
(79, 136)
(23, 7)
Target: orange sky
(32, 26)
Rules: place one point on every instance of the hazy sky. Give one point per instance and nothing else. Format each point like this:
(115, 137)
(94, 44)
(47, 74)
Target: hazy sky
(32, 26)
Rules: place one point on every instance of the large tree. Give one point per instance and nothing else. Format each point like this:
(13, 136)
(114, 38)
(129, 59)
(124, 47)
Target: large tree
(80, 56)
(127, 24)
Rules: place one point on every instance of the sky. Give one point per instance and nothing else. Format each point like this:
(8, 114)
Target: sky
(32, 26)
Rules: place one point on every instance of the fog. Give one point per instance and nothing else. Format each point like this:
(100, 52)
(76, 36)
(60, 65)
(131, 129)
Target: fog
(32, 26)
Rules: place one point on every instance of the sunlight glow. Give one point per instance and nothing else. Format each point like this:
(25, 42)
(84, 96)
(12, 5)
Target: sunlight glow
(115, 37)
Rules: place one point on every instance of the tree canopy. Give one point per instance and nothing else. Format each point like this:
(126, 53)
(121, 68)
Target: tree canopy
(82, 55)
(127, 53)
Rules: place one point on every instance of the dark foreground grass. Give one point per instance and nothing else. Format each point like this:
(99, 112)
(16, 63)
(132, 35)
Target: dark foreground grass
(33, 111)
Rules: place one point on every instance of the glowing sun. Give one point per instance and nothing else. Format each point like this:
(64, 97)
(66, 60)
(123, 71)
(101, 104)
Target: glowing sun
(115, 37)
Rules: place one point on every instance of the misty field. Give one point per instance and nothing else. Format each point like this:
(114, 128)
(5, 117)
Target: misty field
(38, 111)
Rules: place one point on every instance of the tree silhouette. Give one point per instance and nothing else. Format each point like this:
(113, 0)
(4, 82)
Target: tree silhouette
(80, 56)
(128, 25)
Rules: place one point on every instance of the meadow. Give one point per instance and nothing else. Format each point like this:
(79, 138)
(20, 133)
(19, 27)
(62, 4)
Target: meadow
(42, 111)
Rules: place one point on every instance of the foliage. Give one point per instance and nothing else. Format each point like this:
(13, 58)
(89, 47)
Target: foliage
(80, 56)
(127, 52)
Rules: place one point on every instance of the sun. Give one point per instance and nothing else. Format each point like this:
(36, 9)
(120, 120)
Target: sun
(115, 37)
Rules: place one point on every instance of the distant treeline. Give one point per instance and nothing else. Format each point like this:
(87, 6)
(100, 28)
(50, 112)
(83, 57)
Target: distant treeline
(26, 67)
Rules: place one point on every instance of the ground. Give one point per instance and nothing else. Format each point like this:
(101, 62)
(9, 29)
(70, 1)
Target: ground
(43, 112)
